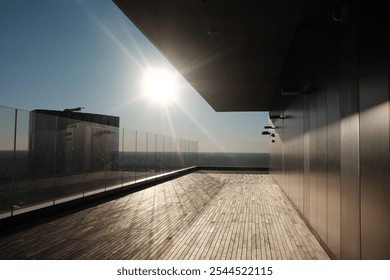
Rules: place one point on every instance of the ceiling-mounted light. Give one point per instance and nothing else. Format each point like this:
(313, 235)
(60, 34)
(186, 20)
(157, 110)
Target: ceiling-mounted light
(295, 90)
(280, 116)
(289, 91)
(213, 32)
(341, 14)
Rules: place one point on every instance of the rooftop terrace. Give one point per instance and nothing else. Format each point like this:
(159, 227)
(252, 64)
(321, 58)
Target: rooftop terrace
(202, 215)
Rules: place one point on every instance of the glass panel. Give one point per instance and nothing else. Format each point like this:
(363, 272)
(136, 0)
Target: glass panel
(192, 153)
(174, 155)
(69, 158)
(167, 153)
(183, 153)
(179, 154)
(151, 160)
(7, 132)
(58, 159)
(186, 153)
(35, 168)
(179, 151)
(112, 160)
(129, 156)
(142, 150)
(196, 145)
(96, 157)
(160, 155)
(189, 153)
(97, 147)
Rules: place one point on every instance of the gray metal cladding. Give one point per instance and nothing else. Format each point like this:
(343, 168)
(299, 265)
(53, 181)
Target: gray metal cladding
(374, 134)
(333, 154)
(306, 157)
(349, 147)
(322, 163)
(313, 161)
(336, 166)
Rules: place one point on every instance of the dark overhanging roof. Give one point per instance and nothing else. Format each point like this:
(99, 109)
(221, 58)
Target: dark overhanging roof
(232, 52)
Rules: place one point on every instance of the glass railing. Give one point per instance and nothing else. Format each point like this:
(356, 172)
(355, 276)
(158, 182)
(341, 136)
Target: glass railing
(46, 160)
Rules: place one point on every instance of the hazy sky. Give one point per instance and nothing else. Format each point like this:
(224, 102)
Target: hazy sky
(57, 54)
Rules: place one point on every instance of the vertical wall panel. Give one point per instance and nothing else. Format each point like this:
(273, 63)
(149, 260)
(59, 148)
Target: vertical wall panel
(284, 150)
(293, 147)
(288, 157)
(322, 192)
(306, 157)
(333, 153)
(298, 141)
(336, 153)
(374, 131)
(349, 143)
(313, 161)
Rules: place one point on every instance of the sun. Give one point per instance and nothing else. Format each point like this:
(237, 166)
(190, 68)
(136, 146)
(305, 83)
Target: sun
(160, 86)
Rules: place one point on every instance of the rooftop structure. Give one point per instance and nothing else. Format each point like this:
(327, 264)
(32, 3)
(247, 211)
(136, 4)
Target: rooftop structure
(321, 68)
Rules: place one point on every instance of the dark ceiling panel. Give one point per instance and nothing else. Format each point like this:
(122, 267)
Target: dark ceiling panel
(231, 52)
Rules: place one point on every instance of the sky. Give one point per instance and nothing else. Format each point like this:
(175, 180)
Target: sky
(58, 54)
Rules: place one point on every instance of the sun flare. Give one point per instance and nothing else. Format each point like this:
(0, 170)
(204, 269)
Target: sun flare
(160, 86)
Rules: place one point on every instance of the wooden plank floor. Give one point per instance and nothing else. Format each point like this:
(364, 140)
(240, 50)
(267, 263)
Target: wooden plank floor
(203, 215)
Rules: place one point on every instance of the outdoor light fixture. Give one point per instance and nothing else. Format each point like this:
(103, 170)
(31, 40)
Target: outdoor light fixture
(290, 91)
(281, 116)
(295, 90)
(268, 133)
(213, 32)
(341, 14)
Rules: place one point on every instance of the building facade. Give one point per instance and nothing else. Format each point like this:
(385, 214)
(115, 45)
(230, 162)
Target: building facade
(321, 68)
(331, 147)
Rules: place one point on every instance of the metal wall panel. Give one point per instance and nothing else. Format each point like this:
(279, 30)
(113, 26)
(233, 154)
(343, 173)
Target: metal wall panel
(349, 143)
(288, 157)
(322, 148)
(313, 161)
(283, 177)
(333, 153)
(289, 153)
(337, 170)
(374, 132)
(306, 157)
(298, 147)
(293, 143)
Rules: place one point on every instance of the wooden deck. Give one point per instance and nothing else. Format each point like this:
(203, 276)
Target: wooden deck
(203, 215)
